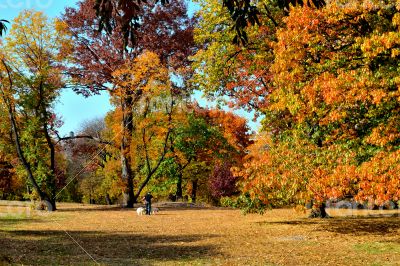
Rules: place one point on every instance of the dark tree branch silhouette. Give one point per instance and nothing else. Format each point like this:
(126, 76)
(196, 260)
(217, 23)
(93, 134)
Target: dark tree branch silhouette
(3, 26)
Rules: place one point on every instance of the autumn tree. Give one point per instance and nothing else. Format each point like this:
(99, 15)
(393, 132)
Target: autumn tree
(235, 130)
(275, 173)
(336, 96)
(195, 143)
(12, 185)
(239, 75)
(154, 116)
(242, 14)
(206, 139)
(30, 83)
(233, 127)
(222, 181)
(347, 88)
(167, 32)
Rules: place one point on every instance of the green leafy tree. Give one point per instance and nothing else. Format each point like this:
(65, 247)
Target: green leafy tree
(239, 75)
(31, 82)
(199, 143)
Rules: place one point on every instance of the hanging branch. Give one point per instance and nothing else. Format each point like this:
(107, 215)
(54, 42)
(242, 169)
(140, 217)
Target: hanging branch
(83, 137)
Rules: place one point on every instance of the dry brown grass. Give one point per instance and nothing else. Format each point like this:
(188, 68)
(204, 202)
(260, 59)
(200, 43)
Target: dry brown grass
(196, 236)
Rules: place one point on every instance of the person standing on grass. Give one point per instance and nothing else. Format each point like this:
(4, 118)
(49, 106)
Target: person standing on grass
(147, 200)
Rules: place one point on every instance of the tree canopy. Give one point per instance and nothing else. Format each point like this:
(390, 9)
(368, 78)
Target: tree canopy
(332, 106)
(242, 13)
(31, 80)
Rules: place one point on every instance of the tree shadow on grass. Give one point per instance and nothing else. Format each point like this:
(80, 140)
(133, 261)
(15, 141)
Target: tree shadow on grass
(92, 208)
(58, 247)
(357, 226)
(11, 221)
(362, 226)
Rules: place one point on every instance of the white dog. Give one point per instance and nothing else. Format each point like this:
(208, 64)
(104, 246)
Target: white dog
(141, 211)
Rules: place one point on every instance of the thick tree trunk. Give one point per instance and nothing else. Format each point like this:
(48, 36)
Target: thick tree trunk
(52, 181)
(50, 204)
(319, 211)
(127, 125)
(194, 190)
(179, 193)
(127, 179)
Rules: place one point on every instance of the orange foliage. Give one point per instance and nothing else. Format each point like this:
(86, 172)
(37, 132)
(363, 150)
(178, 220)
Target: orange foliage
(234, 128)
(334, 110)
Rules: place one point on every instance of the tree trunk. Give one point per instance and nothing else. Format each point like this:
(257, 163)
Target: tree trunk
(127, 125)
(127, 179)
(179, 187)
(194, 190)
(52, 181)
(319, 211)
(178, 194)
(51, 204)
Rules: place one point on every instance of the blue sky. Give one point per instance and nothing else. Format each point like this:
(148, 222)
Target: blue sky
(75, 109)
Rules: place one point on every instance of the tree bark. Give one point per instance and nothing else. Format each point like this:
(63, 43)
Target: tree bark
(179, 193)
(52, 182)
(319, 211)
(194, 190)
(127, 132)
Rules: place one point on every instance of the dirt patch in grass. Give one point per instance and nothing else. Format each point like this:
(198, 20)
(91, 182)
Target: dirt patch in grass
(78, 234)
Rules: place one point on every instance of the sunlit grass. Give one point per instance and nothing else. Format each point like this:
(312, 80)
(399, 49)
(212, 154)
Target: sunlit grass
(196, 236)
(379, 247)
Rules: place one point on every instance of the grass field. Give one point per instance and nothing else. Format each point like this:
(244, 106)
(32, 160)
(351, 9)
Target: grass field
(195, 236)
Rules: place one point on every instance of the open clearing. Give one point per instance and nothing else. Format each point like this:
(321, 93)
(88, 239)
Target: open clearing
(196, 236)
